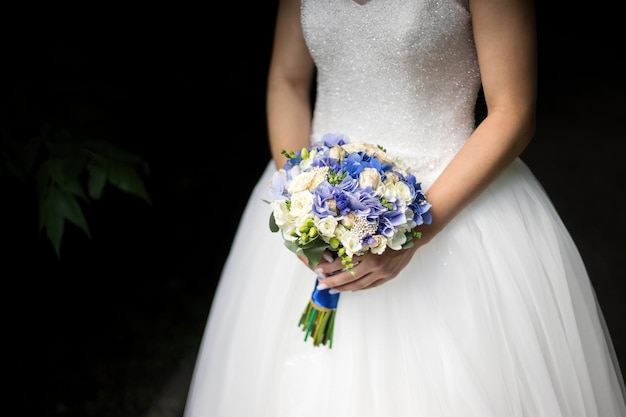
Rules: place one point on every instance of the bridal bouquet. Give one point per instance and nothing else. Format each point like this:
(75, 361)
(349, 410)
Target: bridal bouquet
(348, 199)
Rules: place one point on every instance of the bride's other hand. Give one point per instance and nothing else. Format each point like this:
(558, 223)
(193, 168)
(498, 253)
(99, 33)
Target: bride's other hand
(369, 270)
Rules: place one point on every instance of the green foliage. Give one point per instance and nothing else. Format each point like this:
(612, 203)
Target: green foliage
(60, 125)
(67, 172)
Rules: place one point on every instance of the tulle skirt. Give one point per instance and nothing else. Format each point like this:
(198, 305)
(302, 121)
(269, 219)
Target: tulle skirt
(494, 317)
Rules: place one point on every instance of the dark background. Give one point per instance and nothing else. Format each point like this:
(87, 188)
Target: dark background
(112, 328)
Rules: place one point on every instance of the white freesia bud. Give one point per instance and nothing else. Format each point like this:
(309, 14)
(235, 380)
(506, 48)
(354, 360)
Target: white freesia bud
(369, 177)
(326, 227)
(301, 203)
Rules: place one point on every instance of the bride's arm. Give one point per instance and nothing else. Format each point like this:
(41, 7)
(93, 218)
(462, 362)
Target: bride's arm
(289, 84)
(504, 31)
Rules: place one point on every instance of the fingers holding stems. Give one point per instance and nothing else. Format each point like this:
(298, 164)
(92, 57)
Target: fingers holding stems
(334, 275)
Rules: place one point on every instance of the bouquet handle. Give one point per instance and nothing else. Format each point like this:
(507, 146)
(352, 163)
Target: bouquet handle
(318, 318)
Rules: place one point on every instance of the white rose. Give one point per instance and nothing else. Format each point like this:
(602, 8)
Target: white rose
(380, 245)
(386, 189)
(326, 226)
(301, 203)
(308, 180)
(369, 177)
(403, 191)
(301, 182)
(392, 177)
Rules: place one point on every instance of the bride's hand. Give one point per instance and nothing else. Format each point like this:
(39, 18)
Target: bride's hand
(369, 270)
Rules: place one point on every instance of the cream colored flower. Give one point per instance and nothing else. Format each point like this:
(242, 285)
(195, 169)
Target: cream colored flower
(348, 219)
(326, 227)
(336, 152)
(281, 212)
(301, 182)
(308, 180)
(351, 243)
(332, 205)
(301, 203)
(340, 230)
(369, 149)
(403, 191)
(392, 178)
(387, 189)
(369, 177)
(380, 245)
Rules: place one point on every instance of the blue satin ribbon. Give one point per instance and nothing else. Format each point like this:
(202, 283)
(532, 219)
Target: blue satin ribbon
(324, 299)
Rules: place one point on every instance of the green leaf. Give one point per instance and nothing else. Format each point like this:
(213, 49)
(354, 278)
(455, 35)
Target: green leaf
(273, 226)
(71, 210)
(126, 179)
(55, 207)
(313, 250)
(314, 254)
(65, 173)
(98, 173)
(110, 151)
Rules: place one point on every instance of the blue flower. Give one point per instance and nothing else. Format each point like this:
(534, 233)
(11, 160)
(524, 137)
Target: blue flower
(332, 139)
(277, 185)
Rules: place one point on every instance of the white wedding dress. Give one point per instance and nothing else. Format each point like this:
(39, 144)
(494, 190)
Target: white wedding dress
(495, 317)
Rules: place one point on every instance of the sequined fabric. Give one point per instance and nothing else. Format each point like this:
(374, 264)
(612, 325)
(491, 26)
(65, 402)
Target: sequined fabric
(404, 76)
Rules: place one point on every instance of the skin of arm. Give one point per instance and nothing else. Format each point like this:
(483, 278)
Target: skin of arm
(505, 36)
(290, 76)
